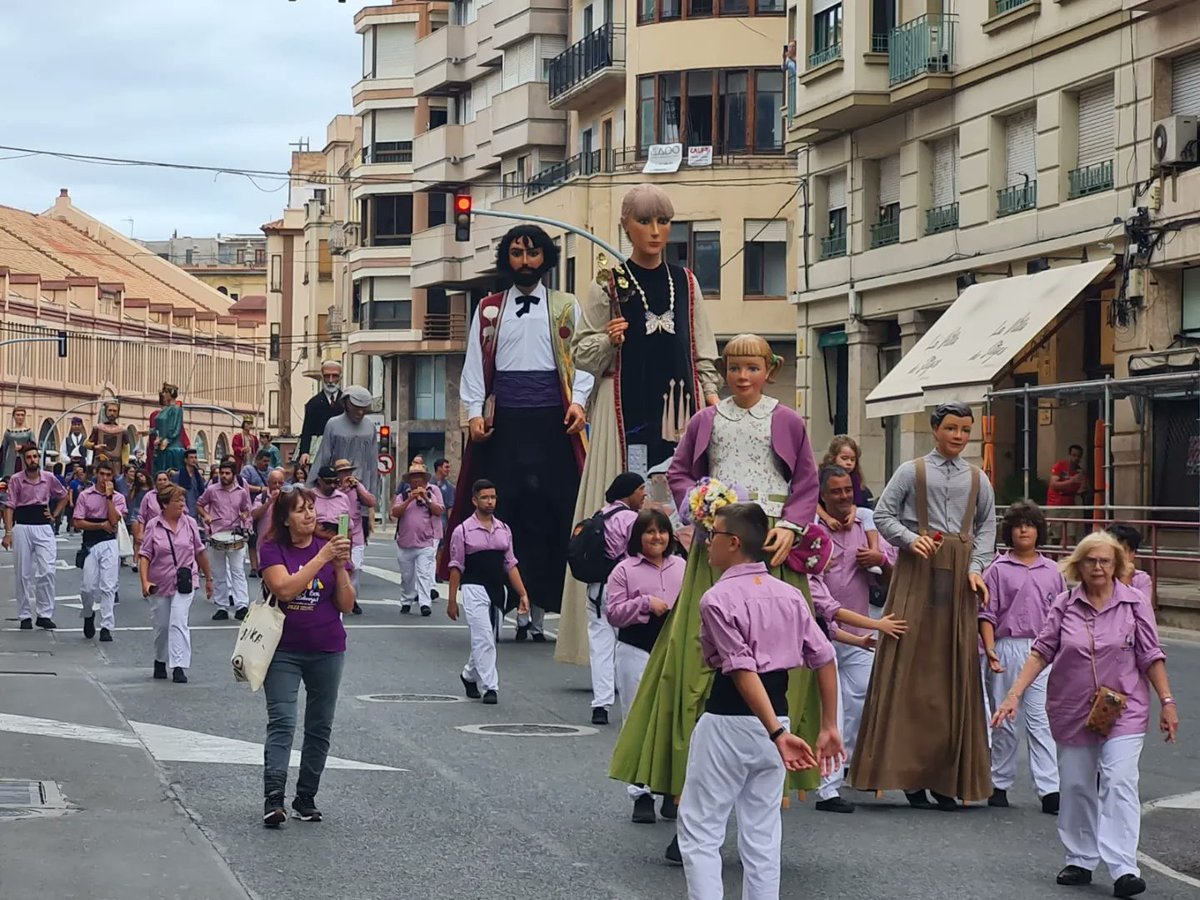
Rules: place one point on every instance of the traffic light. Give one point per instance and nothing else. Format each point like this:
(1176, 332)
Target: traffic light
(385, 440)
(462, 217)
(62, 345)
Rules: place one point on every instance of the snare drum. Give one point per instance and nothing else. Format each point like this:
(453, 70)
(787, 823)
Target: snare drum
(226, 540)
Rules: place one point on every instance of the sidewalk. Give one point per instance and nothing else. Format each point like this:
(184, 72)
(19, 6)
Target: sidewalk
(122, 833)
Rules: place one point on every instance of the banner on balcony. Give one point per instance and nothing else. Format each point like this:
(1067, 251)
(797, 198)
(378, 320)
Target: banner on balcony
(700, 156)
(663, 159)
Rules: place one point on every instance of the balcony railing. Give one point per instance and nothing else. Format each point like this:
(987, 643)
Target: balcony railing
(444, 327)
(1003, 6)
(834, 245)
(582, 60)
(923, 46)
(941, 218)
(388, 152)
(879, 43)
(820, 57)
(559, 173)
(1090, 179)
(885, 232)
(1011, 200)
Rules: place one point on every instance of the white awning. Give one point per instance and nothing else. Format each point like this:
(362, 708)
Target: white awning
(990, 323)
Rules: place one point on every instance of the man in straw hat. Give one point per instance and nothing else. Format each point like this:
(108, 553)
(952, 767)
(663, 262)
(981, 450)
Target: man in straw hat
(321, 407)
(418, 512)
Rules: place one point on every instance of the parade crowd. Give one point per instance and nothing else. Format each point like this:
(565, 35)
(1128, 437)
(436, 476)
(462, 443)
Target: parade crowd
(723, 584)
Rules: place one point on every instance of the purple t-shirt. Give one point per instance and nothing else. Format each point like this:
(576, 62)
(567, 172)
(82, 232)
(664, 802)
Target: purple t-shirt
(313, 623)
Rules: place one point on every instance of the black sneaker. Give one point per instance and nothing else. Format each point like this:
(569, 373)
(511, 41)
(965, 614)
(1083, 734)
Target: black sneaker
(27, 624)
(944, 803)
(1128, 886)
(220, 615)
(672, 853)
(178, 676)
(105, 636)
(643, 810)
(357, 609)
(835, 804)
(918, 800)
(1074, 876)
(999, 798)
(274, 813)
(427, 610)
(599, 715)
(433, 595)
(405, 608)
(240, 614)
(538, 638)
(1050, 804)
(490, 698)
(522, 632)
(45, 622)
(305, 809)
(160, 670)
(89, 626)
(471, 688)
(116, 598)
(669, 809)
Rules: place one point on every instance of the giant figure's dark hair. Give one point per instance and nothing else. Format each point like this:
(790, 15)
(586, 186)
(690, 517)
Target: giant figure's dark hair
(535, 236)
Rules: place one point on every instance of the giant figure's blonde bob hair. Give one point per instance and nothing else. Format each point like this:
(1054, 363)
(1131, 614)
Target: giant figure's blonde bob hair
(753, 345)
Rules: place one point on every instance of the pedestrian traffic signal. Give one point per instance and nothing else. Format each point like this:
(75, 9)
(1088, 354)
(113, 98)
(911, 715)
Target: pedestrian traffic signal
(462, 217)
(62, 345)
(385, 440)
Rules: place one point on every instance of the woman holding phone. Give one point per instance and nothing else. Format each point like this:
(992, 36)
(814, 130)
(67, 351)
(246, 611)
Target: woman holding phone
(310, 577)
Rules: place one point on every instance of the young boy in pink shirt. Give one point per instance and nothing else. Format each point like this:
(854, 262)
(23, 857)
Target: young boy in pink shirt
(753, 629)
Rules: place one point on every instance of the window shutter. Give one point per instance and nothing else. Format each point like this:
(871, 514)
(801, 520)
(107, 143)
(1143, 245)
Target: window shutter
(570, 245)
(1185, 84)
(508, 78)
(819, 6)
(551, 45)
(889, 180)
(392, 287)
(945, 171)
(1020, 152)
(394, 53)
(836, 188)
(1095, 125)
(764, 231)
(368, 51)
(526, 62)
(368, 129)
(706, 225)
(393, 125)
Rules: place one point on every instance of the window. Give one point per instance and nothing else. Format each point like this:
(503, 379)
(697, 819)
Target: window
(438, 116)
(1185, 84)
(187, 257)
(1189, 301)
(669, 111)
(834, 242)
(260, 256)
(826, 33)
(1020, 164)
(324, 261)
(391, 222)
(241, 257)
(1093, 170)
(696, 245)
(768, 110)
(836, 356)
(700, 108)
(570, 285)
(765, 267)
(276, 341)
(646, 132)
(272, 409)
(883, 20)
(886, 229)
(733, 111)
(390, 305)
(650, 11)
(276, 272)
(429, 387)
(942, 214)
(438, 204)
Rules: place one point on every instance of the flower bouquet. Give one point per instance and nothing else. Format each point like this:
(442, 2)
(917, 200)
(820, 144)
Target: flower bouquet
(707, 498)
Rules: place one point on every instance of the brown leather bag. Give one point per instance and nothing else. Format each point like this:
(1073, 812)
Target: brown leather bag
(1107, 704)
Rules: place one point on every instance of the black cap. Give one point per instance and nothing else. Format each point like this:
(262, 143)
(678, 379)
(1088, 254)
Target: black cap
(622, 486)
(327, 472)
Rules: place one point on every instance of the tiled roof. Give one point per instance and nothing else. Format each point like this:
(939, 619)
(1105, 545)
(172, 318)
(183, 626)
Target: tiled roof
(250, 303)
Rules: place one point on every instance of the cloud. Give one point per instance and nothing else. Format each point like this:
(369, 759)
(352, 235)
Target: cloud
(219, 82)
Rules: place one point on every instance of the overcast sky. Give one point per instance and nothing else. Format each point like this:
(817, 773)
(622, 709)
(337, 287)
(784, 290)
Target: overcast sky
(212, 82)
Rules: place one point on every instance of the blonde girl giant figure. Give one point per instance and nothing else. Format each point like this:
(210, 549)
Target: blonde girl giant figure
(646, 339)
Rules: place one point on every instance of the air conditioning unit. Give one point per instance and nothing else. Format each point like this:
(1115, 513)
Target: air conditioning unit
(1175, 141)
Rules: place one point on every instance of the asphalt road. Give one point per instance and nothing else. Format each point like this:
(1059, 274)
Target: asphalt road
(462, 814)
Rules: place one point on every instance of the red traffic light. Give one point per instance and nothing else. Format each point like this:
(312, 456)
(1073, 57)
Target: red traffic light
(385, 431)
(462, 203)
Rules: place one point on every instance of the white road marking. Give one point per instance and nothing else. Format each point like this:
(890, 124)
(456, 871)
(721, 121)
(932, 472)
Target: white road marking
(168, 744)
(1163, 868)
(1176, 801)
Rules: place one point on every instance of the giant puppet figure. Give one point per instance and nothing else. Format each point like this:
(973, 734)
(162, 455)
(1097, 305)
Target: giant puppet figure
(15, 438)
(322, 406)
(525, 400)
(108, 439)
(167, 438)
(645, 336)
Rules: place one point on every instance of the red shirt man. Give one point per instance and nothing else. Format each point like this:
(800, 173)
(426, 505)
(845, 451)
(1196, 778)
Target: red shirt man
(1066, 478)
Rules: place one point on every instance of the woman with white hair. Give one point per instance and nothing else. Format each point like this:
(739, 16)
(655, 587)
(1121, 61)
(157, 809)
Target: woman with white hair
(645, 336)
(1101, 641)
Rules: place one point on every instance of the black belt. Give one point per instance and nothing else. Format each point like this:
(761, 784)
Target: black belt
(485, 569)
(93, 537)
(726, 700)
(32, 514)
(643, 634)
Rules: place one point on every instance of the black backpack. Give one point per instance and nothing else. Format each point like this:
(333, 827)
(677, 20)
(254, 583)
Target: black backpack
(587, 554)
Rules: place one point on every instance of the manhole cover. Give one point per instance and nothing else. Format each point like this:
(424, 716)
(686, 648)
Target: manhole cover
(521, 729)
(409, 698)
(20, 799)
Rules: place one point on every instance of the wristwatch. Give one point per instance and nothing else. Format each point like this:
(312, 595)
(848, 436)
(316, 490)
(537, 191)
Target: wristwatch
(778, 733)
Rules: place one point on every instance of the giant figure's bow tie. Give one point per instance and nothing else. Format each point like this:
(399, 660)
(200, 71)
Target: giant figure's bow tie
(525, 301)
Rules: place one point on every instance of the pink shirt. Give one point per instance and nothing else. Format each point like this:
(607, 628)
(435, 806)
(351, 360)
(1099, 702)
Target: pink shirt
(750, 621)
(473, 536)
(149, 509)
(1126, 645)
(93, 505)
(23, 492)
(617, 528)
(229, 509)
(157, 541)
(1143, 585)
(421, 525)
(1019, 595)
(844, 579)
(329, 509)
(634, 581)
(356, 527)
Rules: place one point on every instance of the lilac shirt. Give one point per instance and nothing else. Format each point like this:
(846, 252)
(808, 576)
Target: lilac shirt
(1143, 585)
(22, 492)
(312, 623)
(1126, 645)
(421, 526)
(329, 508)
(157, 540)
(229, 508)
(1020, 595)
(752, 622)
(847, 581)
(473, 536)
(617, 528)
(357, 538)
(149, 510)
(634, 581)
(93, 505)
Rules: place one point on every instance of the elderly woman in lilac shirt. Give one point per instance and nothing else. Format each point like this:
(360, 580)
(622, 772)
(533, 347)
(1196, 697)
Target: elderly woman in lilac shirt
(1099, 634)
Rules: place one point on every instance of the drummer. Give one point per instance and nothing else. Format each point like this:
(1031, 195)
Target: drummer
(224, 507)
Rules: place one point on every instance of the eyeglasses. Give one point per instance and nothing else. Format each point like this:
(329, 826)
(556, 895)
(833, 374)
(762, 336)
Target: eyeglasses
(714, 533)
(1099, 563)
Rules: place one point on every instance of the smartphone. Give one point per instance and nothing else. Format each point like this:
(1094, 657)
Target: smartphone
(343, 525)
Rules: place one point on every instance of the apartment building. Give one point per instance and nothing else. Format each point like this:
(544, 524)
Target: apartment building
(234, 264)
(946, 145)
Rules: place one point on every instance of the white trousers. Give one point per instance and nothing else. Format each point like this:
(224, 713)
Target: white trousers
(629, 663)
(172, 637)
(229, 577)
(417, 566)
(100, 572)
(1104, 825)
(357, 555)
(732, 766)
(1031, 721)
(602, 649)
(854, 676)
(484, 622)
(35, 553)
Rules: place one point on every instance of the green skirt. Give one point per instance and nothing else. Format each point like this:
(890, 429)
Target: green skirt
(652, 748)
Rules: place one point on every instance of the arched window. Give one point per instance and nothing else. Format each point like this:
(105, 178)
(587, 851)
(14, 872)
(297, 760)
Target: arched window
(200, 445)
(222, 448)
(223, 290)
(48, 436)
